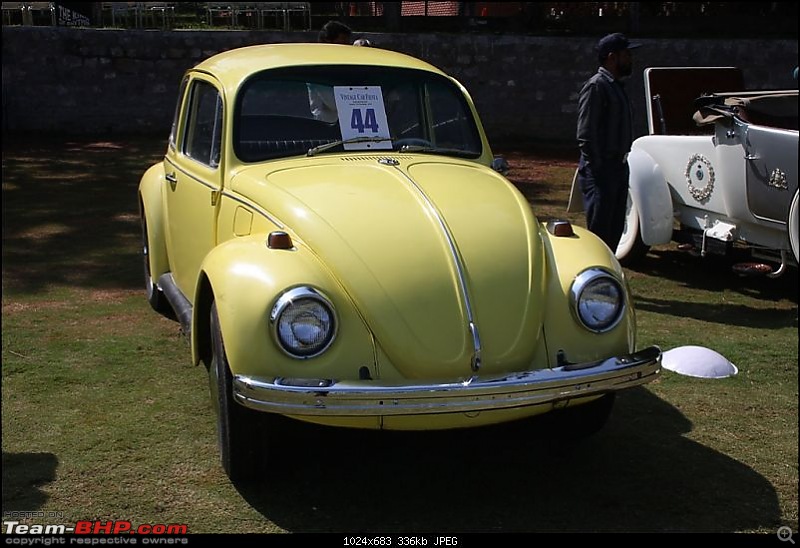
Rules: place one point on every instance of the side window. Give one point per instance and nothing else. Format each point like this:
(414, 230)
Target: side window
(203, 139)
(173, 134)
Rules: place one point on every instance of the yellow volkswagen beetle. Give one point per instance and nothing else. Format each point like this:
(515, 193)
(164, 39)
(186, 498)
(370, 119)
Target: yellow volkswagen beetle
(328, 226)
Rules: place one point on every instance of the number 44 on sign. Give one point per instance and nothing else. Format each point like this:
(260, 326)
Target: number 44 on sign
(362, 114)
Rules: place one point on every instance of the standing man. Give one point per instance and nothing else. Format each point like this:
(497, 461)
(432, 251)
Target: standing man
(605, 134)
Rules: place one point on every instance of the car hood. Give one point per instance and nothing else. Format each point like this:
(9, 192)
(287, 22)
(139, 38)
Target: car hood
(406, 241)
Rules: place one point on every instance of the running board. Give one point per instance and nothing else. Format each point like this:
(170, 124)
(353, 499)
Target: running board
(180, 304)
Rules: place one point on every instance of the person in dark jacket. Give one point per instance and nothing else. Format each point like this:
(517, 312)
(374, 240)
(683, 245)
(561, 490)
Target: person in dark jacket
(605, 134)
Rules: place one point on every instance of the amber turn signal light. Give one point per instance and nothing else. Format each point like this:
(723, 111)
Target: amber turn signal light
(560, 228)
(279, 240)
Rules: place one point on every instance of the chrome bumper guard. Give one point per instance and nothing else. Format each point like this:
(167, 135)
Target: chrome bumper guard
(328, 397)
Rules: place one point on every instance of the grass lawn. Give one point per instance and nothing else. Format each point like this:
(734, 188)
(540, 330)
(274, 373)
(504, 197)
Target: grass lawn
(104, 418)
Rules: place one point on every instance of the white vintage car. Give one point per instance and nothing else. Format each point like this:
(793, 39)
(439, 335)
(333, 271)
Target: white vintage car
(717, 170)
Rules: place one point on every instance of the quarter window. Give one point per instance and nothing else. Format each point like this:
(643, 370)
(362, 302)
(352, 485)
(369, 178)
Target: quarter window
(173, 134)
(204, 125)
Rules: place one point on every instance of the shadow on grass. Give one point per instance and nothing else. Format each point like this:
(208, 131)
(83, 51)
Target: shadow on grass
(727, 314)
(639, 474)
(70, 212)
(23, 474)
(715, 274)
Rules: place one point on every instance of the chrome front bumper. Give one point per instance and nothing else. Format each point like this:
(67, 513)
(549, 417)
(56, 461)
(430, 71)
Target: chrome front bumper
(329, 398)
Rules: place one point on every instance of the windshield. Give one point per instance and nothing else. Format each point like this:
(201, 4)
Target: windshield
(287, 112)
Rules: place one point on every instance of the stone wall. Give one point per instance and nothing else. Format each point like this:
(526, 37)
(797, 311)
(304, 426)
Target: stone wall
(100, 81)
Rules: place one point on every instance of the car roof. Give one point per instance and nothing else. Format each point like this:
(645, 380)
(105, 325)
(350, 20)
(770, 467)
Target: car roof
(233, 66)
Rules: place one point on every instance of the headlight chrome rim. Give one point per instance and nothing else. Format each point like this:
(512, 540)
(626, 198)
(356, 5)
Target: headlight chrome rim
(294, 296)
(587, 279)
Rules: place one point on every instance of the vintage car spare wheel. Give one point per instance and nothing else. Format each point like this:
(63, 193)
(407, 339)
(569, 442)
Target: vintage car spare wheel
(792, 223)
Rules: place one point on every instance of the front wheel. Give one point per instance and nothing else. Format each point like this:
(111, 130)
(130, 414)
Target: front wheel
(239, 437)
(631, 248)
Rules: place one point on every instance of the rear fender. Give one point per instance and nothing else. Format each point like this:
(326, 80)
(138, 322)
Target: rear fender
(151, 208)
(650, 192)
(245, 278)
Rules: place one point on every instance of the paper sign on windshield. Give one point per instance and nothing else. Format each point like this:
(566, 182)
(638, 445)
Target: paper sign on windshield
(362, 114)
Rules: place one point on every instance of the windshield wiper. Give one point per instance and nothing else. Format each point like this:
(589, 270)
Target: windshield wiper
(437, 150)
(332, 144)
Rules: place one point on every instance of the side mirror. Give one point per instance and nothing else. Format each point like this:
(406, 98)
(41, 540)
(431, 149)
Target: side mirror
(500, 165)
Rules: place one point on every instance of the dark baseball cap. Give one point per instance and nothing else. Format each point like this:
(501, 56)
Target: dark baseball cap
(612, 43)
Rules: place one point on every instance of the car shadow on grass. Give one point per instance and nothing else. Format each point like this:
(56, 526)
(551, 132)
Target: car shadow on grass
(727, 314)
(715, 273)
(639, 474)
(23, 476)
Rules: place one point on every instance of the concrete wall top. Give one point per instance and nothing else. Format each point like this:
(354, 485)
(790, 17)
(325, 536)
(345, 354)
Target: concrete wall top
(103, 81)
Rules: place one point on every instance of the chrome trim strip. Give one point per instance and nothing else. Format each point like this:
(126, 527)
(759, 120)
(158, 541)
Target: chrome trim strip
(225, 192)
(192, 177)
(462, 279)
(476, 343)
(332, 398)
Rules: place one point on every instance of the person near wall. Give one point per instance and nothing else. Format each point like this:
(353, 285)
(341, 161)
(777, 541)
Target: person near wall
(320, 98)
(605, 134)
(335, 32)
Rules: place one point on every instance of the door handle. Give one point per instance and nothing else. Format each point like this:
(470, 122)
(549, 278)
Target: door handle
(172, 180)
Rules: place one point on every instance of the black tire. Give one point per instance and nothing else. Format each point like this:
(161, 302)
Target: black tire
(631, 249)
(156, 298)
(580, 422)
(239, 430)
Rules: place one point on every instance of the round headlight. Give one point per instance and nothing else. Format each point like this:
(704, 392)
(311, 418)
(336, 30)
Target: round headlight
(598, 300)
(303, 322)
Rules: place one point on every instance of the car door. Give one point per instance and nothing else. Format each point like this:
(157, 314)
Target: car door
(771, 158)
(193, 182)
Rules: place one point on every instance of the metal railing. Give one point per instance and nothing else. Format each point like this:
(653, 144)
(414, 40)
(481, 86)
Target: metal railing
(654, 19)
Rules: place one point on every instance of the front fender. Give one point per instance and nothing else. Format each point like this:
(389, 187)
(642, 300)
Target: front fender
(245, 278)
(566, 258)
(650, 192)
(151, 204)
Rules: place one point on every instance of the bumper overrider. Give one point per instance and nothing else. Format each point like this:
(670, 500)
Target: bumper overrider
(329, 397)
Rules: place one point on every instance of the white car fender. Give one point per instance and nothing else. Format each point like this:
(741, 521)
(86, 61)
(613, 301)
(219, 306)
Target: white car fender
(650, 192)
